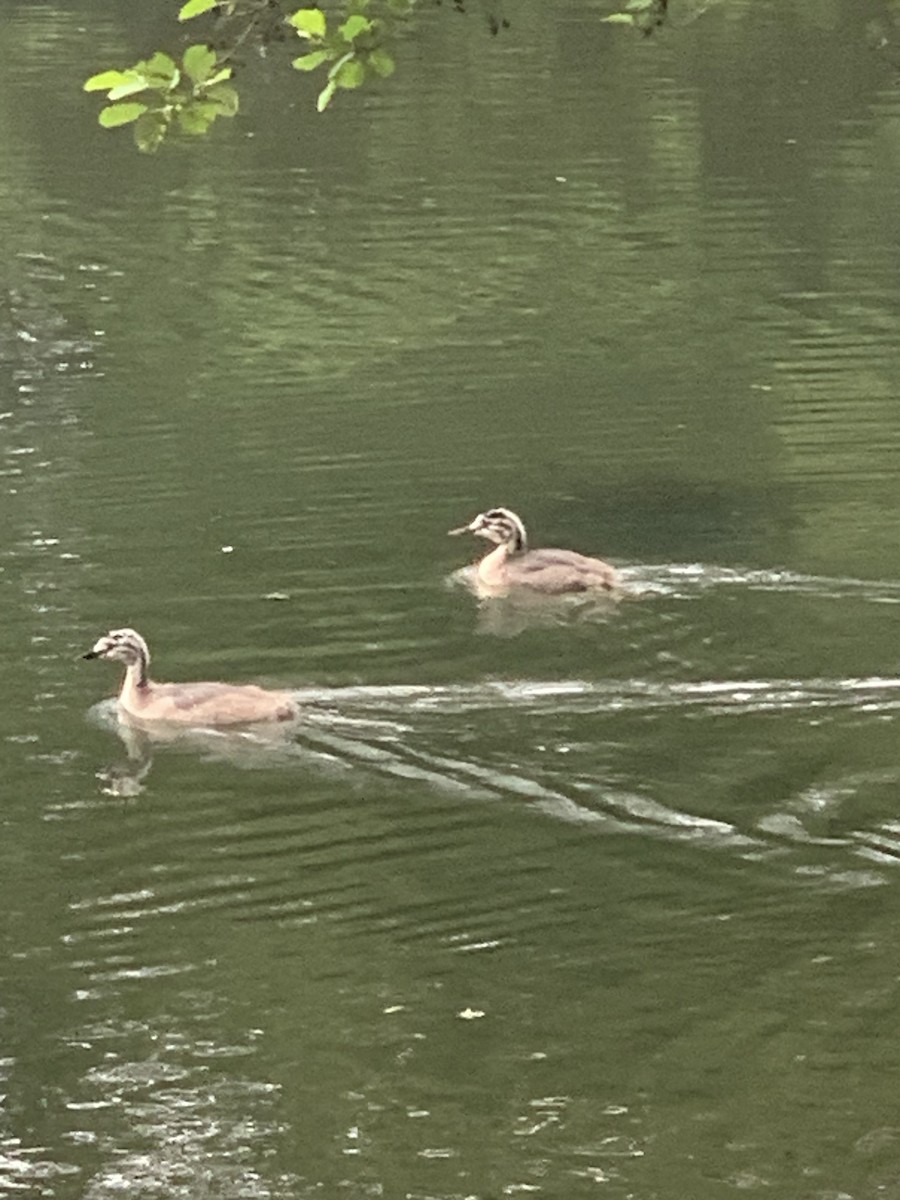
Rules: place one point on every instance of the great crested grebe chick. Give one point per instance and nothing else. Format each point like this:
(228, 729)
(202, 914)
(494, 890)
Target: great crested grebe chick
(186, 703)
(512, 565)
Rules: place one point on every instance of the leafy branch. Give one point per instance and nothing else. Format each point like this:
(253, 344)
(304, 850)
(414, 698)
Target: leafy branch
(160, 96)
(353, 48)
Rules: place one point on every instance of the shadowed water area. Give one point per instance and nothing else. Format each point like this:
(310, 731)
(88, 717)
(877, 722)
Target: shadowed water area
(555, 901)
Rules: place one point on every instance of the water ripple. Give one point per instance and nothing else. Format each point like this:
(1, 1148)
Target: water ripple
(871, 694)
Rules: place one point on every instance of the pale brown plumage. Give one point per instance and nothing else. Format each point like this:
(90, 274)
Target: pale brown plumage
(548, 571)
(186, 703)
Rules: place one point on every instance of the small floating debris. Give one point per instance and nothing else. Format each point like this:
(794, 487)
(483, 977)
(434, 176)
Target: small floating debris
(470, 1014)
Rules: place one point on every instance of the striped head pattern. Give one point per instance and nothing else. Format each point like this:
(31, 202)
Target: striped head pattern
(498, 525)
(121, 645)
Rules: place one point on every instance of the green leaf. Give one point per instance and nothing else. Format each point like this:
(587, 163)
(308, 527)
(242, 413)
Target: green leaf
(354, 26)
(133, 83)
(160, 71)
(324, 97)
(619, 19)
(194, 8)
(309, 62)
(149, 131)
(199, 62)
(225, 73)
(345, 58)
(381, 63)
(309, 22)
(209, 109)
(224, 99)
(351, 74)
(105, 80)
(195, 119)
(120, 114)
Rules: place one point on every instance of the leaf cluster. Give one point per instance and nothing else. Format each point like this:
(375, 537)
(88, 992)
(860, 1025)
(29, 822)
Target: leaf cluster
(353, 47)
(159, 94)
(348, 44)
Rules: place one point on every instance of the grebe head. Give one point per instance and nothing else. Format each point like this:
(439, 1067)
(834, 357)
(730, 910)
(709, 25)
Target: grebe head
(498, 525)
(121, 645)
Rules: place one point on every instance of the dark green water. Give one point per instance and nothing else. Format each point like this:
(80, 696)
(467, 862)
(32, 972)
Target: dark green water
(605, 904)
